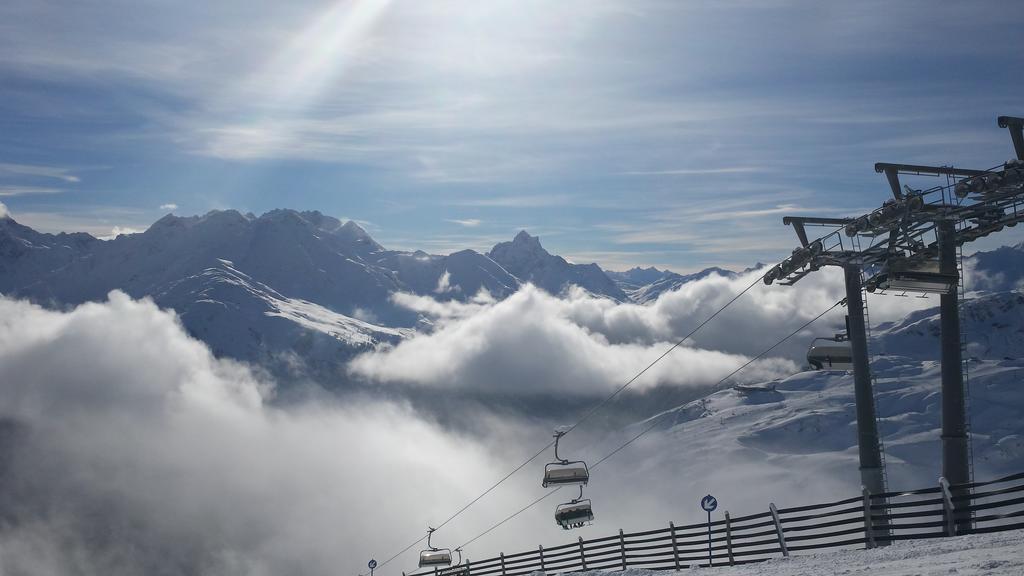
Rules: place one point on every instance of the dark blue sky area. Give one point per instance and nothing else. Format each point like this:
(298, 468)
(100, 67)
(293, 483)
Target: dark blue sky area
(633, 132)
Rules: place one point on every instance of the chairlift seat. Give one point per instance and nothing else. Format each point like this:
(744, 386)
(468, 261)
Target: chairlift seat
(568, 474)
(574, 514)
(441, 557)
(830, 355)
(924, 277)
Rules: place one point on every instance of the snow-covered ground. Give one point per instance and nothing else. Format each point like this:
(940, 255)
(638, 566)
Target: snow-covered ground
(1000, 554)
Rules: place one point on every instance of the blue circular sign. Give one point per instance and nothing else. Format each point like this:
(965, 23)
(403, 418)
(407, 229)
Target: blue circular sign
(372, 564)
(709, 503)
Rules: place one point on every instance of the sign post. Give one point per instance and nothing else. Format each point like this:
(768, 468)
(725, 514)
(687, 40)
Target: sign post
(371, 564)
(709, 503)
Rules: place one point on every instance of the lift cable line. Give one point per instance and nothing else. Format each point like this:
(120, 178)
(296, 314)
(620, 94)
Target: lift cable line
(900, 257)
(589, 413)
(656, 419)
(663, 355)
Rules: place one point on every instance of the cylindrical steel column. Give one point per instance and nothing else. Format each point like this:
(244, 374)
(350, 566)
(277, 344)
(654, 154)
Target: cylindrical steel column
(955, 457)
(871, 475)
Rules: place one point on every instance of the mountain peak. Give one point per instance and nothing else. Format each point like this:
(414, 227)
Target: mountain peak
(523, 240)
(524, 236)
(353, 233)
(526, 259)
(352, 227)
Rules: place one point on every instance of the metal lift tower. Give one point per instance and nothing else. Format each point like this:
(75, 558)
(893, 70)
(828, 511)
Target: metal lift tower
(912, 243)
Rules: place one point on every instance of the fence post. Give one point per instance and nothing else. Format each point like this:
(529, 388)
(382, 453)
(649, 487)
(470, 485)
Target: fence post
(869, 527)
(468, 572)
(675, 546)
(778, 529)
(947, 507)
(540, 551)
(622, 548)
(502, 555)
(728, 537)
(583, 557)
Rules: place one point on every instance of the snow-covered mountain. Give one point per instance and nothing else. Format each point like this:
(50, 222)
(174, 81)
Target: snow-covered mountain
(636, 277)
(993, 324)
(529, 261)
(287, 284)
(266, 289)
(999, 269)
(671, 281)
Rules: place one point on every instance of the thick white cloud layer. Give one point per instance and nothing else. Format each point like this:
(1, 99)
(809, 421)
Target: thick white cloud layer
(127, 448)
(533, 342)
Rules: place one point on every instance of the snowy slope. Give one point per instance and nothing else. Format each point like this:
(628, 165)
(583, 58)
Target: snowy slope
(794, 440)
(996, 270)
(999, 554)
(240, 317)
(671, 281)
(993, 324)
(26, 256)
(459, 275)
(636, 277)
(810, 417)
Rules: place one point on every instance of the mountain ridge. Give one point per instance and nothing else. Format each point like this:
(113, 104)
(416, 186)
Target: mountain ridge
(229, 276)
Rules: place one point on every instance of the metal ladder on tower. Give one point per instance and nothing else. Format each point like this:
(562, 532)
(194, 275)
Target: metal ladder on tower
(965, 358)
(874, 379)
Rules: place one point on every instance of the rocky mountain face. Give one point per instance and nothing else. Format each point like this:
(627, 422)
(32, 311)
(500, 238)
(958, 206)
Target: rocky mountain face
(525, 258)
(277, 287)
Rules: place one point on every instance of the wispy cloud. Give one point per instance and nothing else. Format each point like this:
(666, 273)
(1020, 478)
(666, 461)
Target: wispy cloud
(523, 201)
(656, 236)
(55, 172)
(468, 223)
(100, 221)
(693, 171)
(169, 206)
(773, 210)
(117, 231)
(16, 190)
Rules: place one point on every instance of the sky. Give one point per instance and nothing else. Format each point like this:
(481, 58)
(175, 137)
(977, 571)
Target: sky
(624, 132)
(640, 132)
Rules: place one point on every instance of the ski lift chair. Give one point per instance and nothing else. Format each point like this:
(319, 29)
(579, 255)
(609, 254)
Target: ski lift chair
(458, 568)
(925, 277)
(564, 472)
(830, 354)
(434, 556)
(575, 514)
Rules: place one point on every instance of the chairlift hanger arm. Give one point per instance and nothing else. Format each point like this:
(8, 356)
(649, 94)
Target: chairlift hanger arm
(558, 436)
(1016, 127)
(798, 223)
(790, 220)
(921, 170)
(892, 172)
